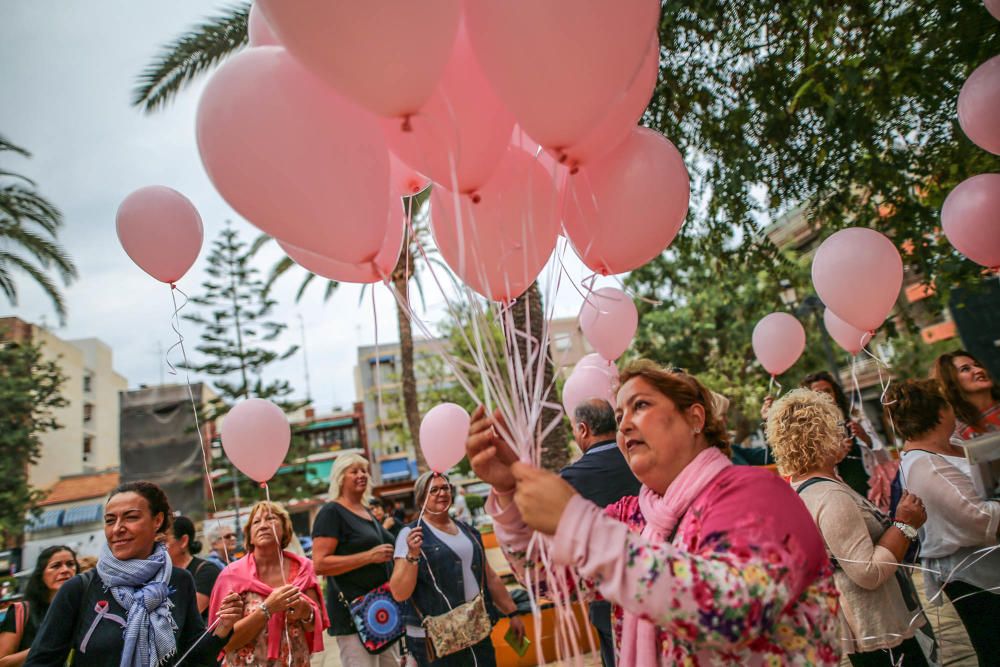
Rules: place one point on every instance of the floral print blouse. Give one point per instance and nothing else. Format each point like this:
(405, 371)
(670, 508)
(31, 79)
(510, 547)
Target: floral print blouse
(744, 581)
(255, 653)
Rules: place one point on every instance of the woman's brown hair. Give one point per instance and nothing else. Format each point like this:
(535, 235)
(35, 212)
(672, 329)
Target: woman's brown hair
(946, 374)
(684, 390)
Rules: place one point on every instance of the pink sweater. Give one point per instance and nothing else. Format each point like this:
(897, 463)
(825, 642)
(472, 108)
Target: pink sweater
(745, 581)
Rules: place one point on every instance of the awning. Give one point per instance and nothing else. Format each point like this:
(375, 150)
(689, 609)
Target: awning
(395, 470)
(76, 516)
(45, 521)
(384, 359)
(329, 423)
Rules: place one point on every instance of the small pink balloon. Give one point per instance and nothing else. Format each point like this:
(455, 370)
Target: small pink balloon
(559, 65)
(993, 7)
(294, 158)
(852, 339)
(585, 384)
(161, 231)
(608, 319)
(625, 209)
(380, 269)
(405, 181)
(778, 341)
(857, 273)
(259, 32)
(443, 432)
(460, 135)
(387, 57)
(594, 360)
(502, 239)
(621, 118)
(979, 106)
(970, 219)
(255, 437)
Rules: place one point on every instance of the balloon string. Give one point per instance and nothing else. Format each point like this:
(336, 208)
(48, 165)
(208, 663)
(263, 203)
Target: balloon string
(209, 629)
(427, 496)
(176, 324)
(378, 371)
(281, 565)
(770, 385)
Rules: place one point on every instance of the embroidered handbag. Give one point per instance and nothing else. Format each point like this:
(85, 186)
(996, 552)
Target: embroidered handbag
(378, 619)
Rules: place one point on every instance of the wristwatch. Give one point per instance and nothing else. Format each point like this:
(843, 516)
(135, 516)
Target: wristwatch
(264, 610)
(906, 529)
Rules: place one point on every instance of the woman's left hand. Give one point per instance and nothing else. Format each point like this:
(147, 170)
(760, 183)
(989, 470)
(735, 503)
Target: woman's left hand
(541, 496)
(859, 432)
(517, 627)
(298, 611)
(230, 611)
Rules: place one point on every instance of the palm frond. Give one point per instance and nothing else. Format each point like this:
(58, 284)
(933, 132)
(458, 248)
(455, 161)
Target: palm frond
(331, 287)
(259, 243)
(305, 283)
(7, 145)
(22, 204)
(190, 55)
(48, 253)
(279, 269)
(50, 289)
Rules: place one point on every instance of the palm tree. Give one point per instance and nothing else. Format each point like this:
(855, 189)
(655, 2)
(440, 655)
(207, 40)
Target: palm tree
(29, 224)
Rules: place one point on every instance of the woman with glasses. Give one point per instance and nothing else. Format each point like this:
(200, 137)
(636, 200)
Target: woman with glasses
(222, 543)
(440, 565)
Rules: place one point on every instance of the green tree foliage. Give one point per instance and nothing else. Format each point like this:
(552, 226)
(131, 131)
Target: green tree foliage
(29, 392)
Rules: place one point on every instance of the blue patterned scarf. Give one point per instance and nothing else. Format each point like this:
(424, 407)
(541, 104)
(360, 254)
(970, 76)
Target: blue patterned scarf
(141, 587)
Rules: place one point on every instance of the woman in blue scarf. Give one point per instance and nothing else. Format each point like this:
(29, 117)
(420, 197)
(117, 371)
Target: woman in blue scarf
(135, 608)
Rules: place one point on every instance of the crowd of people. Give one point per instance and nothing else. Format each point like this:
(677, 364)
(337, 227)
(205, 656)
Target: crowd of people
(684, 557)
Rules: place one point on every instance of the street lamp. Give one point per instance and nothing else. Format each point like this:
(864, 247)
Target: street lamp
(810, 304)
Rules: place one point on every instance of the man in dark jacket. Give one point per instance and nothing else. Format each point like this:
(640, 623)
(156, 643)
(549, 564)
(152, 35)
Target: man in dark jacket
(602, 476)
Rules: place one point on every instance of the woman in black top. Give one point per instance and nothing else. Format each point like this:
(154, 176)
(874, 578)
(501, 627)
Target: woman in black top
(183, 548)
(55, 566)
(353, 550)
(134, 608)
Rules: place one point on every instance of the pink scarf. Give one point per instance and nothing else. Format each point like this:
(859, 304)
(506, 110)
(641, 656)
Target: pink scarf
(241, 576)
(639, 644)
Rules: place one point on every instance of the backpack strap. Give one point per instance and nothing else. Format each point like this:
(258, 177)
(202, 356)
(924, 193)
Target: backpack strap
(805, 485)
(21, 611)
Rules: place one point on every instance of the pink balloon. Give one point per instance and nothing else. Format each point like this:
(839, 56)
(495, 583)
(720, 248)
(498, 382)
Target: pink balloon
(293, 157)
(970, 218)
(386, 56)
(609, 319)
(626, 208)
(857, 273)
(499, 244)
(979, 106)
(852, 339)
(259, 32)
(405, 181)
(559, 65)
(585, 384)
(443, 432)
(460, 135)
(993, 7)
(559, 173)
(255, 437)
(161, 231)
(380, 269)
(621, 118)
(778, 341)
(594, 360)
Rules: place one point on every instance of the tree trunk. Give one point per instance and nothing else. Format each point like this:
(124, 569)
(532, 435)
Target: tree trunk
(411, 406)
(555, 454)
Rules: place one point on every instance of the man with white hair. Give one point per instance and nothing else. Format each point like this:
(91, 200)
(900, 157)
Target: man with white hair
(222, 541)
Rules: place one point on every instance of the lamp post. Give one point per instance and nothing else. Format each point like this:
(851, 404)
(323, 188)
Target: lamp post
(811, 304)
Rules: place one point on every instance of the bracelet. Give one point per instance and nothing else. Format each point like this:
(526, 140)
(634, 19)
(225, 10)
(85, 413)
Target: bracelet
(264, 610)
(415, 560)
(908, 531)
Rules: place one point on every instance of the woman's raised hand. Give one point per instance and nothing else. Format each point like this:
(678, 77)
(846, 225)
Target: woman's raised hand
(282, 597)
(230, 611)
(489, 455)
(414, 541)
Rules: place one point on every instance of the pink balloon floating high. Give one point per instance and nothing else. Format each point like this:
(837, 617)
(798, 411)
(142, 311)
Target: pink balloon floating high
(259, 31)
(255, 437)
(778, 342)
(970, 219)
(993, 7)
(857, 273)
(161, 231)
(849, 337)
(608, 319)
(584, 384)
(979, 106)
(405, 181)
(443, 432)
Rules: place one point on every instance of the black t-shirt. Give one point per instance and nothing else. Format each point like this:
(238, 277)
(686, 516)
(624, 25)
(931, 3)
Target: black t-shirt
(205, 573)
(32, 620)
(353, 535)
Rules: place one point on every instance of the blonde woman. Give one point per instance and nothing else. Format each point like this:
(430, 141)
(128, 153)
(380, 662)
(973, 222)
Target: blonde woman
(877, 624)
(354, 551)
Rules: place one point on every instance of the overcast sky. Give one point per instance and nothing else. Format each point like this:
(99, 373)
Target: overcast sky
(67, 72)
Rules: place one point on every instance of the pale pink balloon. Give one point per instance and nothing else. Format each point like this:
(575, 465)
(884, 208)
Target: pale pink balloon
(595, 360)
(559, 65)
(380, 269)
(584, 384)
(443, 432)
(405, 180)
(386, 56)
(161, 231)
(294, 158)
(778, 341)
(608, 319)
(502, 239)
(979, 106)
(970, 219)
(851, 338)
(625, 209)
(993, 7)
(559, 172)
(259, 32)
(621, 118)
(857, 273)
(460, 135)
(255, 437)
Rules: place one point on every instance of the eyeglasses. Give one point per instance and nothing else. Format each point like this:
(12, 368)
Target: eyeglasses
(437, 490)
(229, 536)
(677, 370)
